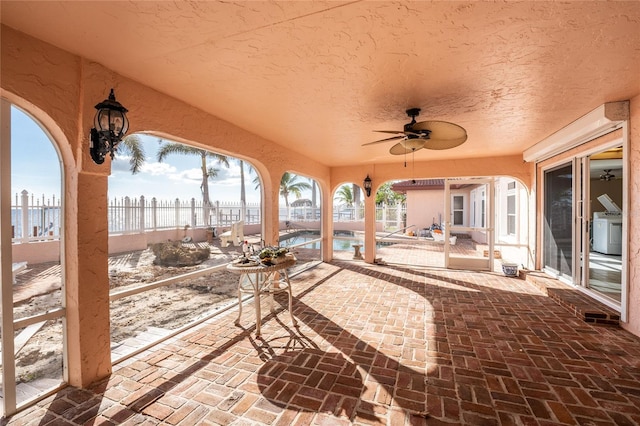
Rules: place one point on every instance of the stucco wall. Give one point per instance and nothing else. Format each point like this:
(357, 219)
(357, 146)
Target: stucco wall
(424, 208)
(633, 320)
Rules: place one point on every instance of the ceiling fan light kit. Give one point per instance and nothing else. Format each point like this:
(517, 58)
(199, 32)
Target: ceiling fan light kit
(436, 135)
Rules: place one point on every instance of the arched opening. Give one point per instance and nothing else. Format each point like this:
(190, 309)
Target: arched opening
(177, 217)
(299, 217)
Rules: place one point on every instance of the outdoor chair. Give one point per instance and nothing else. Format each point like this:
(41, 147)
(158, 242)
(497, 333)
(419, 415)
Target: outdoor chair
(17, 268)
(234, 236)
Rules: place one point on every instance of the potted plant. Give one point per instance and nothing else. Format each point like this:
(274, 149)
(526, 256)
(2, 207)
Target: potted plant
(266, 255)
(509, 269)
(280, 255)
(273, 255)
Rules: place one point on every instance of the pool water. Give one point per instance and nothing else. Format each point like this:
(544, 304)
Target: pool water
(339, 242)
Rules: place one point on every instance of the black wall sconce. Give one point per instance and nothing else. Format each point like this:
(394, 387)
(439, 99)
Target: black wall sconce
(367, 185)
(109, 127)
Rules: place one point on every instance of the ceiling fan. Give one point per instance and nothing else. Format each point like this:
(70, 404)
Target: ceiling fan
(607, 175)
(424, 134)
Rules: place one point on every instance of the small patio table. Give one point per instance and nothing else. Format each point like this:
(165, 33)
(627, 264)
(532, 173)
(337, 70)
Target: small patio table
(257, 279)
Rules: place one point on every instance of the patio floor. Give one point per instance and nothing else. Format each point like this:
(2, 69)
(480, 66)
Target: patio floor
(376, 344)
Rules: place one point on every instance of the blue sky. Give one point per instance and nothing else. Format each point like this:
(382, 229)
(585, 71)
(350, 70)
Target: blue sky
(177, 176)
(36, 168)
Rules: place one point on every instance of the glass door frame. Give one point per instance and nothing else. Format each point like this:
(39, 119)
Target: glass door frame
(542, 202)
(582, 250)
(579, 158)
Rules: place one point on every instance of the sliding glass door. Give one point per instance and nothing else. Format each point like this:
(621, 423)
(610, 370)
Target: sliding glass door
(558, 223)
(583, 227)
(602, 251)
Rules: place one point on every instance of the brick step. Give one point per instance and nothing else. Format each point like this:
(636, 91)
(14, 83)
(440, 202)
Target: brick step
(583, 306)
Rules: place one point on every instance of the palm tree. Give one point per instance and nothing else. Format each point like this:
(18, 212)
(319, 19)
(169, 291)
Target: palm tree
(289, 184)
(356, 194)
(314, 199)
(168, 148)
(132, 146)
(345, 195)
(256, 182)
(243, 192)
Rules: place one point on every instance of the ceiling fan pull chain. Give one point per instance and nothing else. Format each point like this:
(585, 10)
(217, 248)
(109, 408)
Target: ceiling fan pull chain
(413, 166)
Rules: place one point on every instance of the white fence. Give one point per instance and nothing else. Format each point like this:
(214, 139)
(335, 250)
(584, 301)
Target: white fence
(130, 215)
(37, 219)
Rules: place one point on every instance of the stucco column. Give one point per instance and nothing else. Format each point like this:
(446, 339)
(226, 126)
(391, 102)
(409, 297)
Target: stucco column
(370, 225)
(87, 278)
(326, 223)
(271, 212)
(86, 244)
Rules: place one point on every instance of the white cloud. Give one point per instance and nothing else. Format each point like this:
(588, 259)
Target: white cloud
(158, 169)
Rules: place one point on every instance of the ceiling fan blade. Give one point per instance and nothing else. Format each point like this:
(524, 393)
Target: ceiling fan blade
(385, 140)
(444, 135)
(394, 132)
(439, 144)
(399, 149)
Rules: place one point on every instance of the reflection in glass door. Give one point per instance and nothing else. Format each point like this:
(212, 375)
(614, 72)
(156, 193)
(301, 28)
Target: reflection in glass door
(603, 184)
(558, 222)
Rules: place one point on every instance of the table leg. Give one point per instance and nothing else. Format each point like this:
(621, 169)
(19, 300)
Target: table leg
(286, 277)
(256, 301)
(239, 300)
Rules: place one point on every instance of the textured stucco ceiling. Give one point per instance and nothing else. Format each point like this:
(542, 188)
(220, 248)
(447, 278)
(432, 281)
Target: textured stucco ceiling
(321, 76)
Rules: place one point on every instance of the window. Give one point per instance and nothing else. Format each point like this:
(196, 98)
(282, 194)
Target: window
(511, 208)
(457, 204)
(472, 216)
(483, 209)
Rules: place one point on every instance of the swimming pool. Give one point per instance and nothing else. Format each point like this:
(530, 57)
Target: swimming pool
(340, 242)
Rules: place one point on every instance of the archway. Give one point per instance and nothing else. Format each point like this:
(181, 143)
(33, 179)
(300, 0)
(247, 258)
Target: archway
(173, 226)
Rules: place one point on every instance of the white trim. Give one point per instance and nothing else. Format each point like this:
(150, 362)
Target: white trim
(602, 120)
(7, 340)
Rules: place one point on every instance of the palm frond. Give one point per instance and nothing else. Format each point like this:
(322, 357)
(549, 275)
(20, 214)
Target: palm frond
(132, 145)
(220, 159)
(169, 148)
(212, 172)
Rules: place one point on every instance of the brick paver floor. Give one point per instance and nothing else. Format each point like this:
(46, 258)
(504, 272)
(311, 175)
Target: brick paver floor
(388, 345)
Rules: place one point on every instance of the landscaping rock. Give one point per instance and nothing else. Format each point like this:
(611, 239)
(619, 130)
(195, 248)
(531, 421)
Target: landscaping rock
(173, 253)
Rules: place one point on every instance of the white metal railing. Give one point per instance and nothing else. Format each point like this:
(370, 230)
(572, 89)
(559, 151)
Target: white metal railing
(38, 219)
(131, 215)
(35, 219)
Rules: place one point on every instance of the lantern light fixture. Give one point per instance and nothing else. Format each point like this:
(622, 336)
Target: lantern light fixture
(367, 185)
(109, 127)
